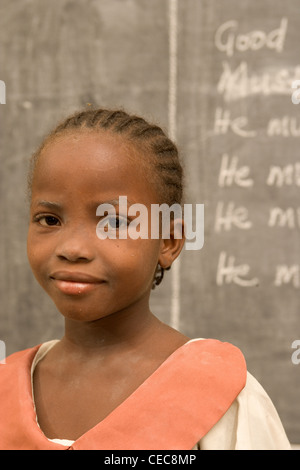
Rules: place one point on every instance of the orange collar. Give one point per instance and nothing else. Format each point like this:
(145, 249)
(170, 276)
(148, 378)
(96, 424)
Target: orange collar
(173, 409)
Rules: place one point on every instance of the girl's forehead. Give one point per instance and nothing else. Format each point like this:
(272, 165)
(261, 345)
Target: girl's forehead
(90, 144)
(93, 163)
(92, 152)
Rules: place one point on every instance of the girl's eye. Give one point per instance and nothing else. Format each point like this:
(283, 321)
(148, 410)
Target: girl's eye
(114, 222)
(47, 220)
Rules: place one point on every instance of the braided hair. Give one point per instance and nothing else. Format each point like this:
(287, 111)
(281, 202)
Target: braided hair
(161, 152)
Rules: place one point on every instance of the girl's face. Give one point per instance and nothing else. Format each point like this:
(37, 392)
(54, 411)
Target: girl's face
(86, 277)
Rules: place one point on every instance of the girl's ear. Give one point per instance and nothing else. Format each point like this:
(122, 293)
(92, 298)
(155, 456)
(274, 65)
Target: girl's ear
(172, 246)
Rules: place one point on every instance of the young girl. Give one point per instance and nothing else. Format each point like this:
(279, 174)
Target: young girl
(119, 378)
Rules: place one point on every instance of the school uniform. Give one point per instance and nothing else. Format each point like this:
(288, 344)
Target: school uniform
(200, 397)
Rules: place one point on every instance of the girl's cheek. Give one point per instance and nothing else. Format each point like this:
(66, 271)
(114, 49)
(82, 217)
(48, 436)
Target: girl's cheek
(33, 258)
(37, 253)
(31, 253)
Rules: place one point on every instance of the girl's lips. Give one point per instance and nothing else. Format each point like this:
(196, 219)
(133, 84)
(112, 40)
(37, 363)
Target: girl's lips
(75, 287)
(75, 283)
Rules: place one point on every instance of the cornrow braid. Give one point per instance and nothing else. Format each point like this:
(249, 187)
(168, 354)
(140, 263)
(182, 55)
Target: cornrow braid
(161, 152)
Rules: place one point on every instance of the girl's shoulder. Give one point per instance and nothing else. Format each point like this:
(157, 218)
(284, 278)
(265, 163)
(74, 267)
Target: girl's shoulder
(22, 355)
(214, 351)
(26, 357)
(251, 423)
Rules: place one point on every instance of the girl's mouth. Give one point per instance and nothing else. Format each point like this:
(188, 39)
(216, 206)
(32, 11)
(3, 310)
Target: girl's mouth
(75, 283)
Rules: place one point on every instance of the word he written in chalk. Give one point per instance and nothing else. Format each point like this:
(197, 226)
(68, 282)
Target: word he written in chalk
(232, 174)
(230, 272)
(285, 126)
(229, 216)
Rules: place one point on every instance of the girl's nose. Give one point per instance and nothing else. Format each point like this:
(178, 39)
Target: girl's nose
(75, 246)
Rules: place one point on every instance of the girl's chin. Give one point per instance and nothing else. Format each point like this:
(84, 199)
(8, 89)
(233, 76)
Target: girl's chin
(82, 316)
(80, 311)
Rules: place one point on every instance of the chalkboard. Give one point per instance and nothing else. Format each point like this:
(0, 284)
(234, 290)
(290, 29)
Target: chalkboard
(218, 75)
(240, 133)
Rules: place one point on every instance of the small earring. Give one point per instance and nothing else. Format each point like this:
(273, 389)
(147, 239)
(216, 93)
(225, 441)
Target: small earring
(159, 275)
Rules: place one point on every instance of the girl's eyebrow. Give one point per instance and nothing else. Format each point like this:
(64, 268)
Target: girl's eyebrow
(50, 204)
(114, 202)
(56, 205)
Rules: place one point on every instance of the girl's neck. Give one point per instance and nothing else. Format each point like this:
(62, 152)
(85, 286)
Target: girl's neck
(121, 330)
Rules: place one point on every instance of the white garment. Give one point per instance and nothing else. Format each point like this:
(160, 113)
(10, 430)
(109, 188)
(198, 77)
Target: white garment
(251, 423)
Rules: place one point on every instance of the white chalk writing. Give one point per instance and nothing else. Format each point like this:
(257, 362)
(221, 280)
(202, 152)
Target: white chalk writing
(228, 272)
(239, 80)
(228, 40)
